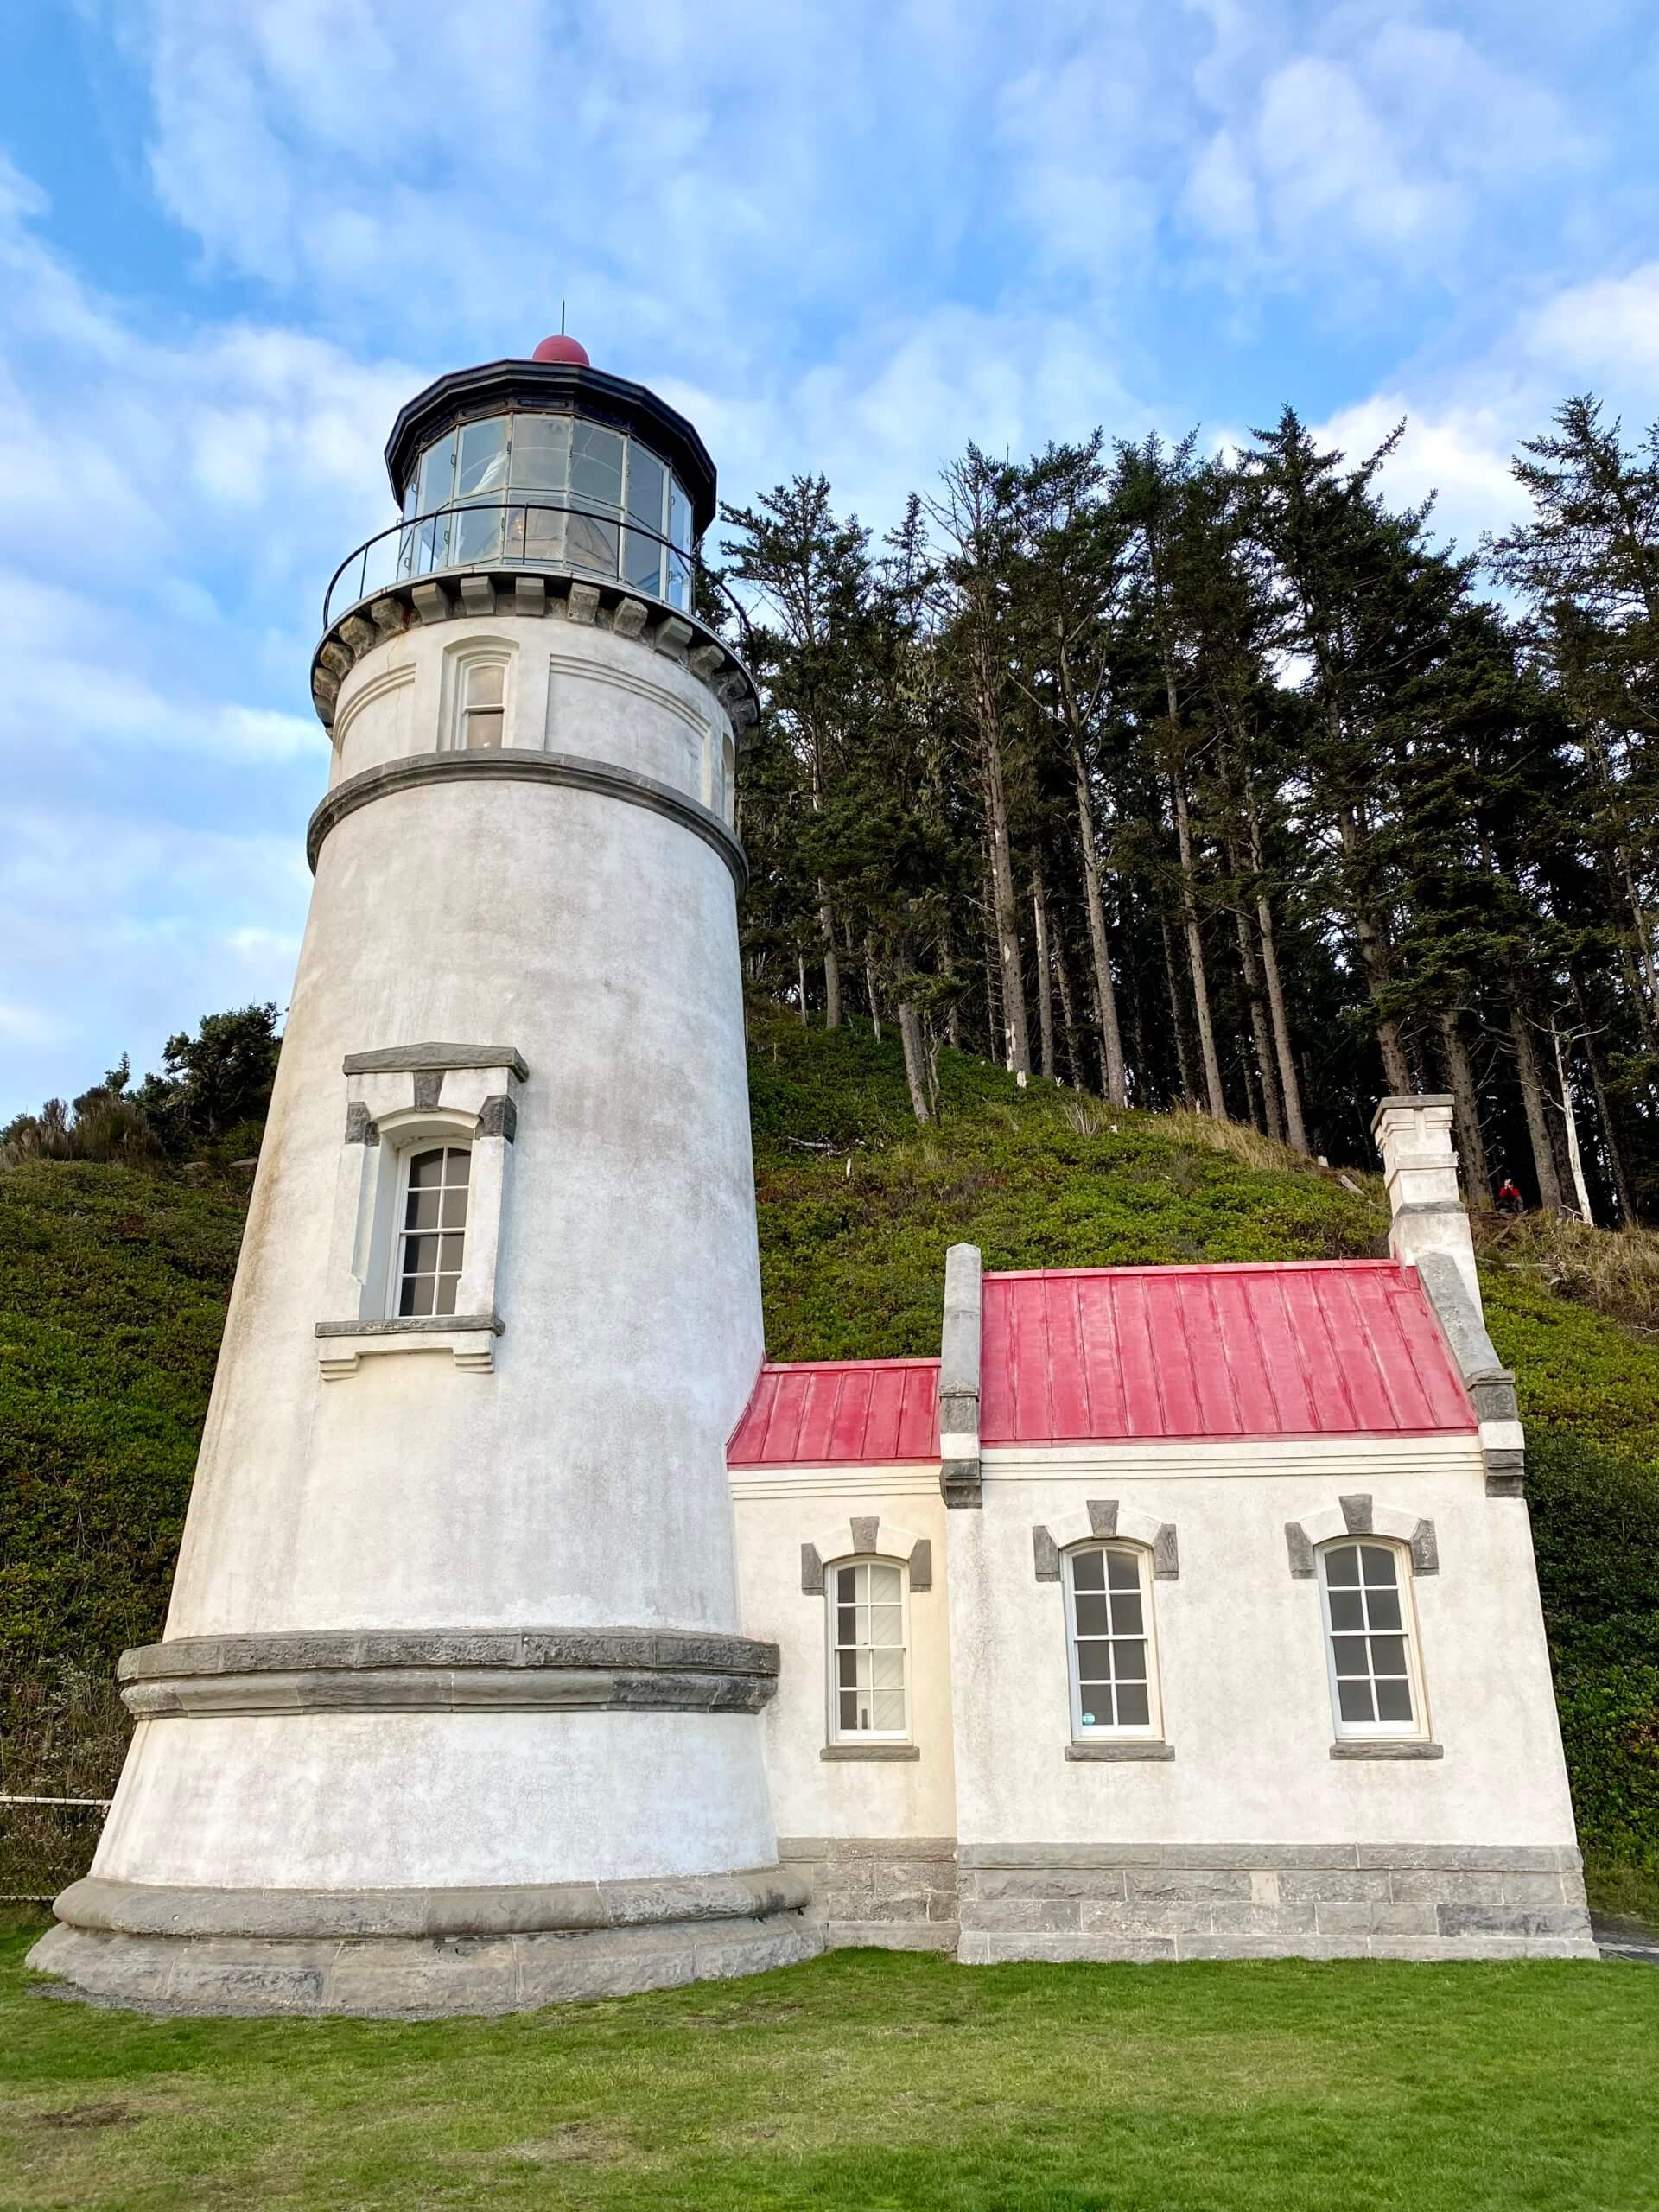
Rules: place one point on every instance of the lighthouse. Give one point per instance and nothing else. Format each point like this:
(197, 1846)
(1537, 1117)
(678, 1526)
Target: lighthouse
(453, 1711)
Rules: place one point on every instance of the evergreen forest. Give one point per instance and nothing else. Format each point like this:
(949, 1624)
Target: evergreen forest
(1219, 781)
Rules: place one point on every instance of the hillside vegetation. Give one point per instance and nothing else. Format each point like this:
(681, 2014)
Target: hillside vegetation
(117, 1280)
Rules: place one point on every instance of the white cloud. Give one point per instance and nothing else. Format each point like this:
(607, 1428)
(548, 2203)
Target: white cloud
(1465, 422)
(1608, 328)
(1376, 142)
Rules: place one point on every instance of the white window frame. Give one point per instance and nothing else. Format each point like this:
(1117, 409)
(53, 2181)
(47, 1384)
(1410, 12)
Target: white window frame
(464, 660)
(837, 1734)
(1084, 1732)
(1416, 1729)
(417, 1148)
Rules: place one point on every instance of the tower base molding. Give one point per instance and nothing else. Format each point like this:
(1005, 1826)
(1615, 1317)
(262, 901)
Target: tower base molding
(416, 1954)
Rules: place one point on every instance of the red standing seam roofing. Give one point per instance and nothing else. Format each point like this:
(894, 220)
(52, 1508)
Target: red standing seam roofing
(1125, 1355)
(1122, 1354)
(842, 1412)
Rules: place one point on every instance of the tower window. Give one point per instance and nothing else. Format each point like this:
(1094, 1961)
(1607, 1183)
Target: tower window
(1109, 1643)
(432, 1231)
(869, 1694)
(1375, 1687)
(480, 717)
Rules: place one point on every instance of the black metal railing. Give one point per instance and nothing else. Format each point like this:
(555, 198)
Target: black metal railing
(514, 532)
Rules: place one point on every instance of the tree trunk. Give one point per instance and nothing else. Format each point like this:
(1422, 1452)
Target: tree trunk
(910, 1035)
(1532, 1097)
(869, 986)
(832, 958)
(1045, 987)
(1272, 1112)
(1213, 1091)
(953, 1014)
(1472, 1148)
(1290, 1088)
(1609, 1135)
(802, 959)
(1068, 1010)
(1004, 909)
(1570, 1120)
(1373, 951)
(1177, 1025)
(993, 998)
(1111, 1039)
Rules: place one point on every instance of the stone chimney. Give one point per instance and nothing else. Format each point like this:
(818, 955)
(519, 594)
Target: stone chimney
(1421, 1170)
(959, 1351)
(1428, 1230)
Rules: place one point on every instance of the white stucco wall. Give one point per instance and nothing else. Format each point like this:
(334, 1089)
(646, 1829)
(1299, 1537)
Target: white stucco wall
(571, 687)
(582, 1482)
(777, 1512)
(450, 1800)
(1245, 1695)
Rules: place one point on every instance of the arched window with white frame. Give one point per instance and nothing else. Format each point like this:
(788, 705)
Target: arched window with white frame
(430, 1245)
(1111, 1647)
(867, 1619)
(481, 709)
(1371, 1640)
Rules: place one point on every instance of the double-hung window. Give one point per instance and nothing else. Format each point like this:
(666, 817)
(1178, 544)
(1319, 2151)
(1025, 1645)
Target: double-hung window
(431, 1231)
(1109, 1643)
(1370, 1648)
(869, 1686)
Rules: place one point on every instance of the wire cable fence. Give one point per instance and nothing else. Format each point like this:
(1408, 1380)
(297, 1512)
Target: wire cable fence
(46, 1843)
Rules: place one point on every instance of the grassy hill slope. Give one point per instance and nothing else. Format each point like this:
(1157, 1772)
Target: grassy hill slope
(115, 1284)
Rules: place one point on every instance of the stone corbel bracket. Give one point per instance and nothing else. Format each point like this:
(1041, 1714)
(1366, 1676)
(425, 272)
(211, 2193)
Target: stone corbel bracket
(865, 1535)
(1103, 1519)
(396, 1095)
(597, 604)
(1360, 1515)
(959, 1357)
(1490, 1383)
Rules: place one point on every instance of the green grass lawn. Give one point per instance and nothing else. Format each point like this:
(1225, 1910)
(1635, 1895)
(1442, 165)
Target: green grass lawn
(871, 2080)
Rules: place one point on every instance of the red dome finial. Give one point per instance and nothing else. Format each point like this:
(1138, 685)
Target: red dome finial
(562, 349)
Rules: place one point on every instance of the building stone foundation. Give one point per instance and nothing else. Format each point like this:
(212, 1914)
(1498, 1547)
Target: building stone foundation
(893, 1893)
(1150, 1902)
(417, 1953)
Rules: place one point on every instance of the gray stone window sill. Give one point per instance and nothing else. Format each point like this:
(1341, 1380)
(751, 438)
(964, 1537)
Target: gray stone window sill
(870, 1752)
(1380, 1748)
(1132, 1747)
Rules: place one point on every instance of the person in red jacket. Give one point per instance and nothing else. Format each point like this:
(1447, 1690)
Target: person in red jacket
(1510, 1200)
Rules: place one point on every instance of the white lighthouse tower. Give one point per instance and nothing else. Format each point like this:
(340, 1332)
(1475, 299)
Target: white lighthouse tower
(453, 1711)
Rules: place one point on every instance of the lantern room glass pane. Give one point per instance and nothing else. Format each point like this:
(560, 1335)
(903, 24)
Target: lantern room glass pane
(483, 468)
(647, 499)
(591, 544)
(541, 453)
(679, 532)
(596, 465)
(437, 474)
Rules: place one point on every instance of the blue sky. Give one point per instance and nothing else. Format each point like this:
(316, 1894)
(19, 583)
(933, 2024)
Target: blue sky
(233, 238)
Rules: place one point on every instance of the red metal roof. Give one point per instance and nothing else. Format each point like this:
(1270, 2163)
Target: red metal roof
(1117, 1354)
(1312, 1348)
(845, 1412)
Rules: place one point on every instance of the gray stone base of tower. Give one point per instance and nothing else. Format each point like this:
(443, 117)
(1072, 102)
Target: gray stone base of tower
(416, 1954)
